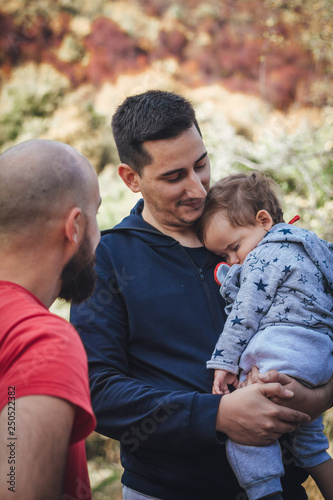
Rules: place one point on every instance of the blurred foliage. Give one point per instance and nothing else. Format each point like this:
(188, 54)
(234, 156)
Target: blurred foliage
(104, 467)
(25, 107)
(279, 50)
(317, 16)
(316, 35)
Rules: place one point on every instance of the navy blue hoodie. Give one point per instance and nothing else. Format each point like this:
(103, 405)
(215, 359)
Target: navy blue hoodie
(148, 330)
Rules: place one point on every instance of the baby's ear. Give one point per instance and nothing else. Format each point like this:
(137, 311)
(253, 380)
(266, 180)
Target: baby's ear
(264, 219)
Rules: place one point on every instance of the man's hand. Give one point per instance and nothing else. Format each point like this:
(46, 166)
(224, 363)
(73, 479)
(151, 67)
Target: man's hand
(248, 416)
(252, 377)
(313, 401)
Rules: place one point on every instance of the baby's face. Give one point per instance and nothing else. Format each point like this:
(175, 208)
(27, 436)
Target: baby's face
(233, 244)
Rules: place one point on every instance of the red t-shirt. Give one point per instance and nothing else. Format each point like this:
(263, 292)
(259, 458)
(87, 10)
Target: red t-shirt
(41, 353)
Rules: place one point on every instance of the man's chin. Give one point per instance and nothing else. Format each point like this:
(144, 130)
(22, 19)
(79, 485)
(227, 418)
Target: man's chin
(78, 277)
(75, 297)
(191, 221)
(192, 216)
(80, 287)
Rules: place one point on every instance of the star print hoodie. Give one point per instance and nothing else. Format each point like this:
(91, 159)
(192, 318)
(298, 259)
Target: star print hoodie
(287, 280)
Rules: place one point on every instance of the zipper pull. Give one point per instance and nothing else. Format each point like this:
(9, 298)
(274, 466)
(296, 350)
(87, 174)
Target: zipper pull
(201, 274)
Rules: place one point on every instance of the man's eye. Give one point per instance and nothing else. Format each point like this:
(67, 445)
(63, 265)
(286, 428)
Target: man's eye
(173, 179)
(199, 167)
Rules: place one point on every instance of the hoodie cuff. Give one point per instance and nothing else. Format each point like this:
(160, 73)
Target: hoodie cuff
(203, 421)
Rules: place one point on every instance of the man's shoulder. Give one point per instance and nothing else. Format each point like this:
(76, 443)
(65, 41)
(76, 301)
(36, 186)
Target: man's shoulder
(23, 305)
(42, 353)
(27, 325)
(18, 304)
(131, 234)
(134, 219)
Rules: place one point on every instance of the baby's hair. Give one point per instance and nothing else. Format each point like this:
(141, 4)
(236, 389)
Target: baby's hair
(239, 197)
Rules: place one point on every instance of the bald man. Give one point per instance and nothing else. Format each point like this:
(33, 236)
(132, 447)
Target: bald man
(49, 197)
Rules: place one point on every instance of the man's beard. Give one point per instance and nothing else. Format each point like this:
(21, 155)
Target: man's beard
(78, 277)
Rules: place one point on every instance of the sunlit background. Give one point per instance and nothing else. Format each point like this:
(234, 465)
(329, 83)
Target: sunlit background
(258, 72)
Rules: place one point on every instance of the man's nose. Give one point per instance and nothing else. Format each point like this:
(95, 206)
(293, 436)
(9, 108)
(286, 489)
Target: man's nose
(195, 188)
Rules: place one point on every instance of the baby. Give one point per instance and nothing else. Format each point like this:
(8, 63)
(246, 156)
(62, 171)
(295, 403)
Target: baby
(279, 300)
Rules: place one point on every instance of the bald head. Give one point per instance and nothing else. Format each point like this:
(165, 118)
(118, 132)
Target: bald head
(40, 180)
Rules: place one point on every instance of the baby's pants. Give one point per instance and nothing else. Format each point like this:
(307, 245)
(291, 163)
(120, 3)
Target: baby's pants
(259, 468)
(300, 353)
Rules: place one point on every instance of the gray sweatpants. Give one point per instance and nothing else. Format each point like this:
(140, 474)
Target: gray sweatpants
(129, 494)
(289, 350)
(259, 469)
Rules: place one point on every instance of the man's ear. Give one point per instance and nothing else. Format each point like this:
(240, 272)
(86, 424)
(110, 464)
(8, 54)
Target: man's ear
(130, 177)
(264, 219)
(74, 225)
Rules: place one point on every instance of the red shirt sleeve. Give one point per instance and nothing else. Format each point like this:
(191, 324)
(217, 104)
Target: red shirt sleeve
(43, 354)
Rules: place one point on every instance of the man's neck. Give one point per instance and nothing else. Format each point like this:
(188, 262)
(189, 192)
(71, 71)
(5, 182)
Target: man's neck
(185, 238)
(185, 235)
(30, 274)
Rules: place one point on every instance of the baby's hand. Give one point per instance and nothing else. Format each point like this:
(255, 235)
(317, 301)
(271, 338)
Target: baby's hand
(222, 379)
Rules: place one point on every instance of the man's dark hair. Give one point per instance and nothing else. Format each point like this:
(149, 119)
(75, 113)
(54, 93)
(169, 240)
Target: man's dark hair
(151, 116)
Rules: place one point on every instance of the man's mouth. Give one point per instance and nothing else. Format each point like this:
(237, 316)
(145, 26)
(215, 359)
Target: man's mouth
(195, 203)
